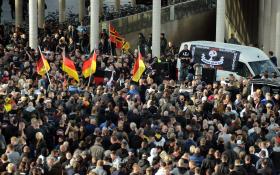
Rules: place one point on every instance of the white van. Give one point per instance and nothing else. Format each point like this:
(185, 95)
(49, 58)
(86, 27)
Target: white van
(241, 61)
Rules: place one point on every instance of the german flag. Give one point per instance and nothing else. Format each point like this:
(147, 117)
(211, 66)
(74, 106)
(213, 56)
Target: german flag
(138, 68)
(89, 66)
(100, 75)
(42, 65)
(68, 66)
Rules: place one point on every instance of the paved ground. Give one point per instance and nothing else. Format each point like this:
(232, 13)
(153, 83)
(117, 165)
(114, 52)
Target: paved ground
(71, 5)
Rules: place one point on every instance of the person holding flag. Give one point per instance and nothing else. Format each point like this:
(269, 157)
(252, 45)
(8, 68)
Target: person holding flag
(118, 41)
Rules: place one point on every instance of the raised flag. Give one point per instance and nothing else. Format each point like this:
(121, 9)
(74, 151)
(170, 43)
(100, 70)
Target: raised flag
(115, 37)
(68, 66)
(89, 66)
(8, 105)
(112, 33)
(42, 65)
(138, 68)
(125, 46)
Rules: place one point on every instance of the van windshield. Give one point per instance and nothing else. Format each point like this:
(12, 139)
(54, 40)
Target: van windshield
(259, 67)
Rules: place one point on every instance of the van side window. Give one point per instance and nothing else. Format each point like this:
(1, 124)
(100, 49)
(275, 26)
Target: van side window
(242, 70)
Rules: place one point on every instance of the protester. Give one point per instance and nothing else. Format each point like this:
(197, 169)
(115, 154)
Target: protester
(107, 124)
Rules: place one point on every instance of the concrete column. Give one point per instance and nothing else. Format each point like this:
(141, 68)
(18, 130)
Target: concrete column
(261, 23)
(156, 28)
(61, 11)
(18, 12)
(94, 24)
(267, 23)
(117, 5)
(220, 20)
(33, 25)
(277, 42)
(82, 10)
(101, 7)
(172, 10)
(41, 13)
(273, 24)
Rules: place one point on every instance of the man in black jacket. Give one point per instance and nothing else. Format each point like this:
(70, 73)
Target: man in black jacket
(223, 167)
(53, 167)
(265, 169)
(163, 44)
(209, 162)
(250, 169)
(275, 156)
(272, 58)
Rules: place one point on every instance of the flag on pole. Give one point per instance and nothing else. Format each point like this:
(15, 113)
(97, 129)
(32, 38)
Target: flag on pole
(42, 65)
(138, 68)
(115, 37)
(119, 42)
(89, 66)
(8, 105)
(112, 33)
(126, 46)
(68, 66)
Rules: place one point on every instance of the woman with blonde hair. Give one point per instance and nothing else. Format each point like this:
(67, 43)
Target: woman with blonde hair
(11, 168)
(41, 146)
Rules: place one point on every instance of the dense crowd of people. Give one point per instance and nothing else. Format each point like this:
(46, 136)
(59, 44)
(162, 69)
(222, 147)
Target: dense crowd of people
(158, 126)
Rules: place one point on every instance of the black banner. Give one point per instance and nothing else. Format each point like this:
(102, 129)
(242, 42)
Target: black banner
(218, 58)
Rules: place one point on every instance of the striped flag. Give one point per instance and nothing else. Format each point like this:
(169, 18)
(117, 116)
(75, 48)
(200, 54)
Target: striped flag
(68, 66)
(112, 33)
(138, 68)
(115, 37)
(42, 65)
(100, 75)
(89, 66)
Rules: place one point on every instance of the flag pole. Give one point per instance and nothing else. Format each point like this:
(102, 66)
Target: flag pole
(89, 79)
(110, 43)
(45, 66)
(63, 56)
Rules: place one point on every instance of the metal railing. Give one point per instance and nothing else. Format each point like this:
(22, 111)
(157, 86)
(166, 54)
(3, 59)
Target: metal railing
(169, 13)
